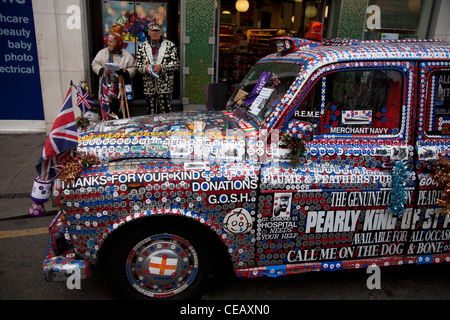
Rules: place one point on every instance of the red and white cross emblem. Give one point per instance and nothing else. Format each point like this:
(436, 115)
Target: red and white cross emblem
(163, 265)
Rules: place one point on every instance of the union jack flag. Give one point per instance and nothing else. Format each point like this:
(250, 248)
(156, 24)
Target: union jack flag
(104, 100)
(84, 100)
(62, 139)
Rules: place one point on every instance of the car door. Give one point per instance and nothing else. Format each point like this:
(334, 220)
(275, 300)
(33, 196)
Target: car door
(355, 121)
(429, 224)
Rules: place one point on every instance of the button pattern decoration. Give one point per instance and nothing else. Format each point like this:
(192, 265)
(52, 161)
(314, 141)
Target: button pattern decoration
(328, 212)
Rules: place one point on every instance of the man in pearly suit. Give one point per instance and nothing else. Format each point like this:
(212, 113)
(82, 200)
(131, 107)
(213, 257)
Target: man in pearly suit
(157, 59)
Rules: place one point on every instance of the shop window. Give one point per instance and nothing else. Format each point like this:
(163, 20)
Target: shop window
(387, 19)
(245, 37)
(439, 106)
(130, 19)
(366, 102)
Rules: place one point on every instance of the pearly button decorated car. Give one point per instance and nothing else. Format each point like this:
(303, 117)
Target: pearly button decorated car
(329, 155)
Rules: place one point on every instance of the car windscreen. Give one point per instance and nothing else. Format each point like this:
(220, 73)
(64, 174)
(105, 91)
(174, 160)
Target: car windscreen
(263, 88)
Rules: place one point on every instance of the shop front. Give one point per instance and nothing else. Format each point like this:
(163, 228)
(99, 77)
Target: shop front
(189, 24)
(217, 40)
(220, 40)
(246, 27)
(130, 19)
(20, 86)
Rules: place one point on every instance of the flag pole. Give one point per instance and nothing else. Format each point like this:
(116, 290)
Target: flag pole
(103, 99)
(71, 91)
(124, 94)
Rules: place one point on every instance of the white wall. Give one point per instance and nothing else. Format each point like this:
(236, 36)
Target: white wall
(61, 46)
(442, 30)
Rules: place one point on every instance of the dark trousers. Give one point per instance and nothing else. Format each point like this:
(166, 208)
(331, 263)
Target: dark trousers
(159, 103)
(114, 105)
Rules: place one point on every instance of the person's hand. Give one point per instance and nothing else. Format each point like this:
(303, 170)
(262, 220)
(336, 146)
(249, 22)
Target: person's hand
(107, 71)
(157, 68)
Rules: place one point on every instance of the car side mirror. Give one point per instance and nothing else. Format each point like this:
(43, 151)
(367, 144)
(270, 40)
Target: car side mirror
(300, 129)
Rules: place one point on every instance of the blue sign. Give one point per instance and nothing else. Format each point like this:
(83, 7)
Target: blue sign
(20, 85)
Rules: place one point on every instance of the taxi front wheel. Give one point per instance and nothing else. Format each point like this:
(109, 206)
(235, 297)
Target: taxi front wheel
(160, 262)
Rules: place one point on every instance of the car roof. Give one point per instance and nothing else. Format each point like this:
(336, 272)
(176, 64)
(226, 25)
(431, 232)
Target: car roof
(340, 50)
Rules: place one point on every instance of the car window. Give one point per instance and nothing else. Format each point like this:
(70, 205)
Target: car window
(263, 89)
(354, 102)
(439, 106)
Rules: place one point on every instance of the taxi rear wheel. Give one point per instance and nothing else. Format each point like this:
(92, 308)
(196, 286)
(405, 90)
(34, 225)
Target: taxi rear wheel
(160, 262)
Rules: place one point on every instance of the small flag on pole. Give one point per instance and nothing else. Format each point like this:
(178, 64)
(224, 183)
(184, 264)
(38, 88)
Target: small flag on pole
(84, 100)
(104, 100)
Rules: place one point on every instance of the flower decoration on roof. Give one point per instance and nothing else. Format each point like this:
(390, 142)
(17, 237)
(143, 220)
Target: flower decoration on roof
(73, 166)
(297, 147)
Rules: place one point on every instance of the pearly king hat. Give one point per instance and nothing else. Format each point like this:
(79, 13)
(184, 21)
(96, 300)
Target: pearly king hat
(154, 26)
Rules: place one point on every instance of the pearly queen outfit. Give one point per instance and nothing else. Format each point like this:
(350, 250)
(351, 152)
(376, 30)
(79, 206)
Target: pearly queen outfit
(158, 91)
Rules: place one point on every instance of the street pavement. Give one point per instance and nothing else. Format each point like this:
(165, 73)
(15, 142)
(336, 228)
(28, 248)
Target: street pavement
(18, 157)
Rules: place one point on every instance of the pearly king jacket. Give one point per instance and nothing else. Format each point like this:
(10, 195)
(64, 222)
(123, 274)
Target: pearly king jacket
(167, 57)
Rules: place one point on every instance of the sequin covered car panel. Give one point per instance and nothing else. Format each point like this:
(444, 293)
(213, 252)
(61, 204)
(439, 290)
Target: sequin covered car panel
(107, 196)
(369, 122)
